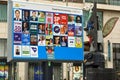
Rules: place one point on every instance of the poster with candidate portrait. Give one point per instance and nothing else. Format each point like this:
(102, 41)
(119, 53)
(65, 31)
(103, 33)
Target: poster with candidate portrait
(46, 32)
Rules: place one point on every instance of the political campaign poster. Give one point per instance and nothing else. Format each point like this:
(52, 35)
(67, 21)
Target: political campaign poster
(17, 38)
(25, 50)
(17, 50)
(71, 41)
(49, 18)
(56, 29)
(34, 51)
(45, 32)
(25, 39)
(17, 27)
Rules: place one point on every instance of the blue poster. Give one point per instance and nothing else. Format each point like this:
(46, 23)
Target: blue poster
(38, 73)
(25, 39)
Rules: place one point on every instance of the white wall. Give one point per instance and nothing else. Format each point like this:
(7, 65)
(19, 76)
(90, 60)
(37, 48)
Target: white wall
(3, 30)
(22, 71)
(114, 36)
(3, 48)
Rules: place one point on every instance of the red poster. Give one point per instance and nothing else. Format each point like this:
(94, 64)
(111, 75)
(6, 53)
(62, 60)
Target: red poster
(56, 18)
(64, 19)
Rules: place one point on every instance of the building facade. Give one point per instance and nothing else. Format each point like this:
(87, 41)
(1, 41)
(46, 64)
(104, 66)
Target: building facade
(108, 12)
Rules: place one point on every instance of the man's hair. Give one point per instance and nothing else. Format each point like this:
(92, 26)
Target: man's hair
(17, 11)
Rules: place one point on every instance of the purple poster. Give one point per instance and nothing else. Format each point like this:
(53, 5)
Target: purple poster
(17, 38)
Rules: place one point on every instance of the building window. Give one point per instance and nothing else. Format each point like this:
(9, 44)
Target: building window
(116, 56)
(3, 12)
(114, 2)
(100, 18)
(77, 1)
(98, 1)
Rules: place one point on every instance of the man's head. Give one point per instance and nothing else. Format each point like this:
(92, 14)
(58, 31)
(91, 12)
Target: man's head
(34, 14)
(17, 14)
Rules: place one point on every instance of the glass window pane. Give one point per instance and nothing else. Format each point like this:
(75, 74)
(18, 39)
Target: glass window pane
(3, 13)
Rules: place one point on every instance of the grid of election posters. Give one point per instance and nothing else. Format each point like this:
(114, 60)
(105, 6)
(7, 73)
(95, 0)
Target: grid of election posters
(42, 34)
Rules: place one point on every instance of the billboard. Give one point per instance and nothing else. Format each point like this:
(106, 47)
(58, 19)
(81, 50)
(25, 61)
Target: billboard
(45, 32)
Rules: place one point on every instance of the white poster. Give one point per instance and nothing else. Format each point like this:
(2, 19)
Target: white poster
(17, 50)
(71, 41)
(25, 50)
(34, 51)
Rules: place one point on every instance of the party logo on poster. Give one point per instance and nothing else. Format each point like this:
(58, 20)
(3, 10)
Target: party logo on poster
(25, 51)
(71, 41)
(56, 29)
(34, 51)
(17, 27)
(33, 28)
(17, 38)
(25, 39)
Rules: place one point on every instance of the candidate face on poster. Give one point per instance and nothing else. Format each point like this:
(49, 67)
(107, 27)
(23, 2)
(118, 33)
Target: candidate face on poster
(33, 16)
(41, 28)
(63, 30)
(17, 50)
(41, 40)
(26, 15)
(17, 15)
(25, 27)
(41, 16)
(49, 40)
(64, 41)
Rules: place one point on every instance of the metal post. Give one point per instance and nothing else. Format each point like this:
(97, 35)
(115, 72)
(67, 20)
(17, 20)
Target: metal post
(95, 25)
